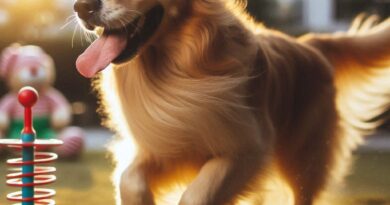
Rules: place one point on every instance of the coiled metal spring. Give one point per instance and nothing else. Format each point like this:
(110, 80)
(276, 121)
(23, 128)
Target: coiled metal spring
(26, 174)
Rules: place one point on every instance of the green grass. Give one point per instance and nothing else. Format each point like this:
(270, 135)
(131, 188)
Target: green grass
(369, 184)
(87, 181)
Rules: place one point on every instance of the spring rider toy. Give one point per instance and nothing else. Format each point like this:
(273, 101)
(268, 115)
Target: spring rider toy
(30, 175)
(31, 66)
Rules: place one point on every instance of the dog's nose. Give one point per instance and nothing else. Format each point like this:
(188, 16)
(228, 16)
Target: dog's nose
(86, 8)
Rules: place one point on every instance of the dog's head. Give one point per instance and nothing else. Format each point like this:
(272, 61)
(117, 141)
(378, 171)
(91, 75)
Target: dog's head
(125, 25)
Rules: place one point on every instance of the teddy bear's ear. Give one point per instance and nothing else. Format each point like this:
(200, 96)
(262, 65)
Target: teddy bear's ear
(8, 58)
(38, 53)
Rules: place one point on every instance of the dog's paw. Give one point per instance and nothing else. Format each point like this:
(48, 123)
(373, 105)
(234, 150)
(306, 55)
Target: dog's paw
(135, 192)
(137, 199)
(190, 199)
(136, 196)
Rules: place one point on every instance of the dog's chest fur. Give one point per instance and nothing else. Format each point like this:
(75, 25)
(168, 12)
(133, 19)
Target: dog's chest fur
(172, 115)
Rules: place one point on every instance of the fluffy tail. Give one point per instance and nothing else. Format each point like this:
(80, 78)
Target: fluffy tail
(361, 59)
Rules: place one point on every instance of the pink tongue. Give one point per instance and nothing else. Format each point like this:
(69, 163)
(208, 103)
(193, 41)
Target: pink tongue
(100, 54)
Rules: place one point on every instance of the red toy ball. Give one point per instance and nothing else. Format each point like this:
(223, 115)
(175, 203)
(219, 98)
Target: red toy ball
(28, 96)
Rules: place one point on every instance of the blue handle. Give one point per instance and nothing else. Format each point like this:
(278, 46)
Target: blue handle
(28, 156)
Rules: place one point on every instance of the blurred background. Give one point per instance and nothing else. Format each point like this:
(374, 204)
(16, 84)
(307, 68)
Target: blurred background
(51, 24)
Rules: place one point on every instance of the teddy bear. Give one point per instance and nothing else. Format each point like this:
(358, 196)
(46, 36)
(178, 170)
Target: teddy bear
(31, 66)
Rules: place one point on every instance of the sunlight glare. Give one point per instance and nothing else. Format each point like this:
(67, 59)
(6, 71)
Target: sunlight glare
(123, 146)
(4, 17)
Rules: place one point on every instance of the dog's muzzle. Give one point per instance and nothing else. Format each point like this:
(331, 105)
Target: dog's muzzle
(85, 9)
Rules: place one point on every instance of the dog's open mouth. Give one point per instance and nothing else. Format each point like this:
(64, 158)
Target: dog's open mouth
(119, 45)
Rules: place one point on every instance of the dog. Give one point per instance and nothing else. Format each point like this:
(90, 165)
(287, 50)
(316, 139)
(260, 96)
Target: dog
(209, 97)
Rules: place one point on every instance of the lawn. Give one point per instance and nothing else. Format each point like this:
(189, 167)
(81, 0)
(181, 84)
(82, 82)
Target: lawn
(369, 184)
(86, 181)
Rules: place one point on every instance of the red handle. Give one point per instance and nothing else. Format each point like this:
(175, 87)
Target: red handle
(28, 96)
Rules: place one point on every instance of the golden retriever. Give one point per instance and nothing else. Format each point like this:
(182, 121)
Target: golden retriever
(206, 94)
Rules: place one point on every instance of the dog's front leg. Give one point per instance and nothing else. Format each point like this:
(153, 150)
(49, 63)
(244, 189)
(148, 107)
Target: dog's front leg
(222, 179)
(134, 185)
